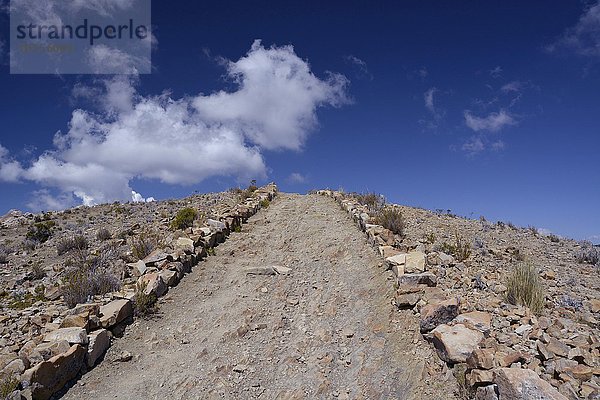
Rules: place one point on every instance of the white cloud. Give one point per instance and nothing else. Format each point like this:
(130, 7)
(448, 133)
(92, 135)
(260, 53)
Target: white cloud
(10, 170)
(296, 177)
(584, 37)
(496, 72)
(138, 198)
(107, 60)
(184, 141)
(493, 122)
(277, 97)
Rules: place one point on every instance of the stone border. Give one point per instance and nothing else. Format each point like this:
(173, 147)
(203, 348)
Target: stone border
(85, 334)
(456, 338)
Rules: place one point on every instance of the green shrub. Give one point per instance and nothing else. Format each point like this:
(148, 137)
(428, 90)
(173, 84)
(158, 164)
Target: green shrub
(37, 270)
(525, 288)
(184, 218)
(390, 218)
(40, 232)
(77, 242)
(143, 304)
(8, 384)
(460, 249)
(265, 203)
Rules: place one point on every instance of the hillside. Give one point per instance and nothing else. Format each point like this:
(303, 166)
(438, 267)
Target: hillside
(296, 303)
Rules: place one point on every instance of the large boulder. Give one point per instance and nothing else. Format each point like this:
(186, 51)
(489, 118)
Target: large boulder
(99, 343)
(439, 313)
(415, 262)
(522, 384)
(72, 335)
(47, 350)
(50, 376)
(115, 312)
(154, 284)
(455, 344)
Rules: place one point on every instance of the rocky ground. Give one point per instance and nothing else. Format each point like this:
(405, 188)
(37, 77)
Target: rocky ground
(298, 303)
(454, 274)
(325, 328)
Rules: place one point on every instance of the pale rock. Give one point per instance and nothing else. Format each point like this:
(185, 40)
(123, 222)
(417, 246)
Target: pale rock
(455, 343)
(47, 350)
(522, 384)
(154, 284)
(75, 321)
(115, 312)
(184, 244)
(398, 259)
(99, 343)
(50, 376)
(169, 277)
(139, 268)
(155, 257)
(482, 321)
(72, 335)
(415, 262)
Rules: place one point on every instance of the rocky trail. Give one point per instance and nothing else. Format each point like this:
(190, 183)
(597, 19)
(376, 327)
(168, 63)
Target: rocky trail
(325, 329)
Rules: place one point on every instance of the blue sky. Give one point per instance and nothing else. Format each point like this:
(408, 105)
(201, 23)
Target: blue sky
(485, 108)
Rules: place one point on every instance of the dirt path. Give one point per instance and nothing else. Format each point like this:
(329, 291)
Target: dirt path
(326, 330)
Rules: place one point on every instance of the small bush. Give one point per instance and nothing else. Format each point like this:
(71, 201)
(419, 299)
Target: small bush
(588, 254)
(143, 304)
(77, 242)
(184, 218)
(38, 271)
(460, 249)
(553, 238)
(40, 232)
(265, 203)
(429, 238)
(103, 235)
(88, 275)
(8, 384)
(144, 244)
(390, 218)
(29, 244)
(525, 288)
(374, 202)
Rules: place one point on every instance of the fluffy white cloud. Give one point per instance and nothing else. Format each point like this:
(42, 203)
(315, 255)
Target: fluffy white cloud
(138, 198)
(584, 37)
(10, 170)
(493, 122)
(107, 60)
(184, 141)
(277, 97)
